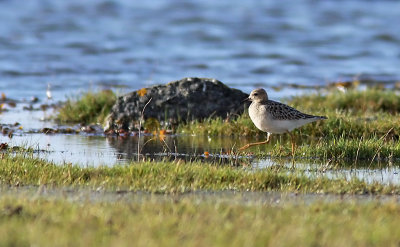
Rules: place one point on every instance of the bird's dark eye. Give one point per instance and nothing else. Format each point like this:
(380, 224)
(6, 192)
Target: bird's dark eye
(255, 94)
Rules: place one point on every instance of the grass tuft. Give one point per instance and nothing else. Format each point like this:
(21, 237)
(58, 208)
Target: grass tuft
(91, 107)
(172, 177)
(372, 100)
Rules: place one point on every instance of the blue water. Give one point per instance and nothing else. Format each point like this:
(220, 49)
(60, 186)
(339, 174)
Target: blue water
(125, 45)
(76, 45)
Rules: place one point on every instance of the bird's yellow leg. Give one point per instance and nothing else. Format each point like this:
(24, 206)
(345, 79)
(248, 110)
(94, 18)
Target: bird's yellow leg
(255, 143)
(293, 143)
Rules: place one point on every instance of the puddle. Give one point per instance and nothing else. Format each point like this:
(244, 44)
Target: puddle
(97, 149)
(87, 150)
(367, 172)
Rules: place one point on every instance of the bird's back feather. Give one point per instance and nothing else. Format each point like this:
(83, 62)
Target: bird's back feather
(279, 111)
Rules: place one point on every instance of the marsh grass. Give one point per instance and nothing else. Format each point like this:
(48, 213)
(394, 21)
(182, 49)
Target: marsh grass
(237, 126)
(91, 107)
(339, 148)
(372, 100)
(32, 221)
(175, 177)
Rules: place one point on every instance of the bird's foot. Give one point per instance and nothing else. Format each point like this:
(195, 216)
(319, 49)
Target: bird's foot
(252, 144)
(244, 147)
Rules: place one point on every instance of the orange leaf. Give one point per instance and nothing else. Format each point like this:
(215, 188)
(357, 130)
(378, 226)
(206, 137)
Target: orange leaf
(142, 92)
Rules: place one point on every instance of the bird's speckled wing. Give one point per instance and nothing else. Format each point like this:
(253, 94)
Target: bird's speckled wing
(279, 111)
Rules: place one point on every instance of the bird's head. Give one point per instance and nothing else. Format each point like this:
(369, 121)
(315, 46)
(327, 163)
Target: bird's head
(258, 95)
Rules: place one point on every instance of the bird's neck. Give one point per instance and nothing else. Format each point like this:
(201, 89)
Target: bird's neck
(261, 101)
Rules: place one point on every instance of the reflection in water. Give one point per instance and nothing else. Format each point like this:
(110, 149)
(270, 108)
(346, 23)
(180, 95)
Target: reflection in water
(189, 148)
(181, 144)
(86, 150)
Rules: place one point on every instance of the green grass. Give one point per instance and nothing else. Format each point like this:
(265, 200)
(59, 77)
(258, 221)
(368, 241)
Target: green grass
(176, 177)
(91, 107)
(239, 126)
(335, 148)
(32, 221)
(372, 100)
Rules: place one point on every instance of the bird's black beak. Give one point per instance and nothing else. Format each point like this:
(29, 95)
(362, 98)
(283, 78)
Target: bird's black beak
(246, 99)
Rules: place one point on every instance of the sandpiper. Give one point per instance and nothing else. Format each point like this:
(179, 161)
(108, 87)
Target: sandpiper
(274, 117)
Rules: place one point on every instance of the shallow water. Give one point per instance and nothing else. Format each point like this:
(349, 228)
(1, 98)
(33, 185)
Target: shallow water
(383, 173)
(125, 45)
(76, 45)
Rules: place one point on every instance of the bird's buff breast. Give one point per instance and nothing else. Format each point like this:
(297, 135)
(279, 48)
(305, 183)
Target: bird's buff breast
(263, 121)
